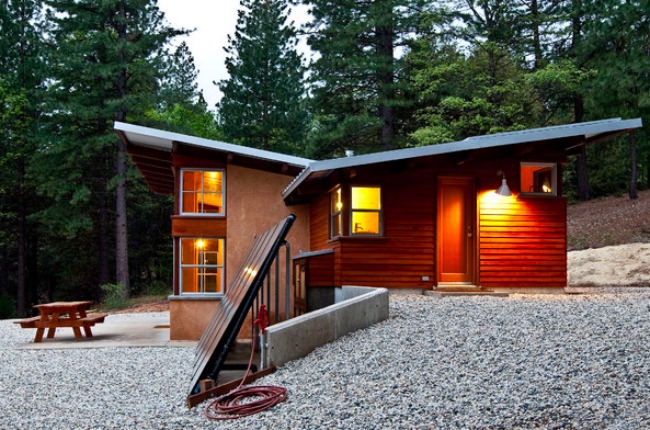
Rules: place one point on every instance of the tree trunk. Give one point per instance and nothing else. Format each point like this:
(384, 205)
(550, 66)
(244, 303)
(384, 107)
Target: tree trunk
(21, 299)
(578, 104)
(634, 173)
(121, 238)
(386, 75)
(537, 49)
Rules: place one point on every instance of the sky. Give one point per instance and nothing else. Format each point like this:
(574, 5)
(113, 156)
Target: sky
(213, 20)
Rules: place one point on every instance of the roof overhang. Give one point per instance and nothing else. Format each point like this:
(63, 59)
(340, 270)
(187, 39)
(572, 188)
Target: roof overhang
(152, 151)
(570, 137)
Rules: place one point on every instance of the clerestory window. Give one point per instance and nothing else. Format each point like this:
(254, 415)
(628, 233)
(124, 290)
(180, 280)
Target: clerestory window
(538, 178)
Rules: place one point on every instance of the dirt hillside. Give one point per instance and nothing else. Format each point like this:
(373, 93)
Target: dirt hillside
(609, 242)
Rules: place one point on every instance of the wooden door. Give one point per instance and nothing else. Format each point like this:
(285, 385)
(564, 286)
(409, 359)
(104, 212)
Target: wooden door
(456, 240)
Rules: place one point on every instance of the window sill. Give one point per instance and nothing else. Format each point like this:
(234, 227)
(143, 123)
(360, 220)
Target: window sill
(196, 297)
(358, 238)
(539, 196)
(198, 215)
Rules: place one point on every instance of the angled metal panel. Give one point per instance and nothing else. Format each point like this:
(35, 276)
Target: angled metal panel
(227, 320)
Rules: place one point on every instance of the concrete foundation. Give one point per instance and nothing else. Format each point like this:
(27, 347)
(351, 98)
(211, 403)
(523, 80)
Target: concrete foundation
(355, 308)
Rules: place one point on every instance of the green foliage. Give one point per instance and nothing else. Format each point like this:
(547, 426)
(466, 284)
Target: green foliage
(7, 307)
(114, 297)
(263, 99)
(360, 93)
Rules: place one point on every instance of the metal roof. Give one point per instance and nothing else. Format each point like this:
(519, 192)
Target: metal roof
(164, 140)
(587, 130)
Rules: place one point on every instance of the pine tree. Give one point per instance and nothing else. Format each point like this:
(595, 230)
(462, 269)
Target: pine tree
(22, 77)
(616, 44)
(263, 99)
(358, 85)
(181, 106)
(104, 70)
(179, 79)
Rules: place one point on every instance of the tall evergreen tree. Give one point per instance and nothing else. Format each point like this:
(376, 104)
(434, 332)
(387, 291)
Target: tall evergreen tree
(179, 79)
(104, 69)
(358, 85)
(263, 99)
(181, 106)
(616, 44)
(22, 77)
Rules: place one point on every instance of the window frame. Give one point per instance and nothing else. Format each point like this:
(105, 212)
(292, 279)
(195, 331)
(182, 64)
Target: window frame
(347, 212)
(338, 214)
(554, 178)
(380, 226)
(202, 193)
(220, 288)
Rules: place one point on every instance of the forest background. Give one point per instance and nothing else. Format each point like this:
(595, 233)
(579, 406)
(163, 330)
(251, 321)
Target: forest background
(77, 220)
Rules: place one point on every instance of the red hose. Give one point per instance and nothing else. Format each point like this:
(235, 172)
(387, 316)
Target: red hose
(241, 401)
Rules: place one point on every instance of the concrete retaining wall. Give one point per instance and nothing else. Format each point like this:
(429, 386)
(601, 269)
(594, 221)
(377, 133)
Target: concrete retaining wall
(355, 308)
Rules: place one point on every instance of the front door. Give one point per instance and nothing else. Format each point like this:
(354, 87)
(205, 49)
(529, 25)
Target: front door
(456, 237)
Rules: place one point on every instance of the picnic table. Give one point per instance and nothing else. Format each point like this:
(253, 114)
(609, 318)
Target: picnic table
(62, 314)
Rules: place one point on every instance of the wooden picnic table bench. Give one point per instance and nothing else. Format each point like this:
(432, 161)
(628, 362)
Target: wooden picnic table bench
(62, 314)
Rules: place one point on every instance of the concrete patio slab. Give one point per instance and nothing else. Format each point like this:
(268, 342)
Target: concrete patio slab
(117, 331)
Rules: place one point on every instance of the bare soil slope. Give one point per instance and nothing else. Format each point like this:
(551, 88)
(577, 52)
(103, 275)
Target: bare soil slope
(609, 242)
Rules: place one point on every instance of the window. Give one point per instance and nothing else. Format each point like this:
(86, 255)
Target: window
(202, 266)
(361, 207)
(366, 211)
(202, 192)
(539, 178)
(336, 211)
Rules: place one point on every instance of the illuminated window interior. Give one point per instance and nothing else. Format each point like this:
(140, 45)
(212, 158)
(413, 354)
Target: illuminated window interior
(366, 210)
(202, 265)
(336, 213)
(202, 192)
(539, 178)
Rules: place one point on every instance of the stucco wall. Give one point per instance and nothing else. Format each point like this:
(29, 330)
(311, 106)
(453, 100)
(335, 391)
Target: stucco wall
(253, 205)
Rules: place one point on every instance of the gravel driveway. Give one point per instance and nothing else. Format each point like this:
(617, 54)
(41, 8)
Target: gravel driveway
(561, 361)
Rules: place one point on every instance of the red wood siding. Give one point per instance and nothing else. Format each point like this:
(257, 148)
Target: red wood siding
(522, 242)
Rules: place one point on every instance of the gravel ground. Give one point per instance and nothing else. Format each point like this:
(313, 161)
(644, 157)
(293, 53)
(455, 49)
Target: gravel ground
(562, 361)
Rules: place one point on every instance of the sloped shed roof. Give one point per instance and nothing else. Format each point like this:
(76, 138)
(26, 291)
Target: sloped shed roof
(573, 136)
(151, 150)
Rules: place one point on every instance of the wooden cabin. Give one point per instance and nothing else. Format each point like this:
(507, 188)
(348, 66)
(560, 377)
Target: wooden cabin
(430, 217)
(411, 219)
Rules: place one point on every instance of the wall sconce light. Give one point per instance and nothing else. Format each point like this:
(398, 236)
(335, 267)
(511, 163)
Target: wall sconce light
(503, 190)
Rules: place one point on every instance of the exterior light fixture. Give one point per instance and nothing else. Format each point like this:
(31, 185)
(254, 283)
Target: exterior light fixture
(503, 190)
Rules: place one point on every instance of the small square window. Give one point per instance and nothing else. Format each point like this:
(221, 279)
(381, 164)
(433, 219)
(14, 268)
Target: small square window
(539, 178)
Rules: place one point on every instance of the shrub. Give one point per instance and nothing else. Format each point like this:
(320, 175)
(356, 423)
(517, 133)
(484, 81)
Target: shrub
(114, 297)
(7, 306)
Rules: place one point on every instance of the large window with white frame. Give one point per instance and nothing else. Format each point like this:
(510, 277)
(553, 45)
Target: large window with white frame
(538, 178)
(202, 265)
(203, 192)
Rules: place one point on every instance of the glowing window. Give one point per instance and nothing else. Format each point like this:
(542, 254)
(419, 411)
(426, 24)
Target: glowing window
(202, 192)
(539, 178)
(202, 266)
(336, 210)
(366, 211)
